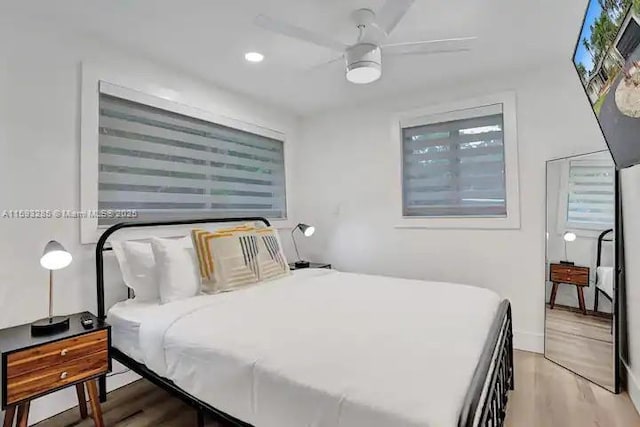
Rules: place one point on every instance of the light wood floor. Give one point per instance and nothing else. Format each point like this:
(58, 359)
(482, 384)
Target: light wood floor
(546, 395)
(582, 343)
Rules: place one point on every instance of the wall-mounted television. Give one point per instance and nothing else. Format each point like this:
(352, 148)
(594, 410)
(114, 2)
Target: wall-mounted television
(607, 59)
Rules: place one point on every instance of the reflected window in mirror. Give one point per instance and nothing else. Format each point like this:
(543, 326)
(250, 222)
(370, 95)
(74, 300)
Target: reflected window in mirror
(590, 194)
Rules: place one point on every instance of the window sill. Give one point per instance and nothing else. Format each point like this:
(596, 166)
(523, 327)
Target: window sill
(506, 223)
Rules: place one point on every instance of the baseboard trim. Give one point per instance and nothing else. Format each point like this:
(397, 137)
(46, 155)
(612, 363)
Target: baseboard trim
(633, 387)
(528, 341)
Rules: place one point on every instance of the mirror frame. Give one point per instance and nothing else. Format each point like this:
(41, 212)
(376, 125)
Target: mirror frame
(618, 270)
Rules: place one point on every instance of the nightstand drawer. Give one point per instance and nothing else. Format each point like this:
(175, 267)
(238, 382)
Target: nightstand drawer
(60, 352)
(49, 378)
(570, 274)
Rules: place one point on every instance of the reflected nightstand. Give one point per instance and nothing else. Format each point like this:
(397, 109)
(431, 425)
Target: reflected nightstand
(569, 274)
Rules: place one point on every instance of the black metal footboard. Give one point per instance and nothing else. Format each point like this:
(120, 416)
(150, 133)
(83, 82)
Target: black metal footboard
(486, 401)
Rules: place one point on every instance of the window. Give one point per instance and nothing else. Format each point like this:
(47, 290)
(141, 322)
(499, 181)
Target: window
(166, 165)
(457, 165)
(454, 165)
(591, 195)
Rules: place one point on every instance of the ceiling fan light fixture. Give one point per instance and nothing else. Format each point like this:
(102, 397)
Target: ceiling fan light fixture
(364, 74)
(364, 63)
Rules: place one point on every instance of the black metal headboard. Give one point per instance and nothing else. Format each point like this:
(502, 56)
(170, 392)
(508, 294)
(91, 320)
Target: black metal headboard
(601, 238)
(100, 248)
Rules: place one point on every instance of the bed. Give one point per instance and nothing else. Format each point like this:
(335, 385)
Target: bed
(323, 348)
(604, 274)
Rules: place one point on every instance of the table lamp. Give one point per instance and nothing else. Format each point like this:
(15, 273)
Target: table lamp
(306, 230)
(567, 237)
(54, 257)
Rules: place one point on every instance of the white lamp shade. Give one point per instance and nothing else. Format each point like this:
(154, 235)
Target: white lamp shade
(54, 256)
(307, 230)
(569, 236)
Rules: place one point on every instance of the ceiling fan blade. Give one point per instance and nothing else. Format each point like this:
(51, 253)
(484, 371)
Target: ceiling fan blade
(326, 63)
(459, 44)
(293, 31)
(391, 13)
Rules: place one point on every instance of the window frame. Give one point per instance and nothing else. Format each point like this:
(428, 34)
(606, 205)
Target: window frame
(426, 116)
(96, 80)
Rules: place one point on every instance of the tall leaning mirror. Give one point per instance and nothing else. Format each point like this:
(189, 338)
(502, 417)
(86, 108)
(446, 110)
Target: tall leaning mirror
(580, 265)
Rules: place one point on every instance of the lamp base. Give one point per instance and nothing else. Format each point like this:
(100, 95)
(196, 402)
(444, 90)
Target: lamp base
(50, 325)
(301, 264)
(567, 262)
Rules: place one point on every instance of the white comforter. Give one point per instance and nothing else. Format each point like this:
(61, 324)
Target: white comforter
(605, 280)
(325, 349)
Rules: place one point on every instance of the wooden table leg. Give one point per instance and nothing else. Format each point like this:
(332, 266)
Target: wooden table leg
(554, 291)
(82, 400)
(94, 401)
(9, 414)
(581, 299)
(23, 415)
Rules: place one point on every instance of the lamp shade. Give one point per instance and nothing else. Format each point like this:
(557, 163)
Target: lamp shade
(569, 236)
(306, 229)
(55, 256)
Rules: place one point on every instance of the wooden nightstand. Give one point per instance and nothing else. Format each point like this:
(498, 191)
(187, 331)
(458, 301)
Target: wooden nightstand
(571, 275)
(35, 366)
(292, 265)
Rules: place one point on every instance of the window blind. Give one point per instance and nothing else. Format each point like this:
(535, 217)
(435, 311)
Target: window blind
(456, 167)
(591, 195)
(169, 166)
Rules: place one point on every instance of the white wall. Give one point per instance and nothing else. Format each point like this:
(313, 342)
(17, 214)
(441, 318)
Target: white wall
(630, 182)
(350, 182)
(39, 161)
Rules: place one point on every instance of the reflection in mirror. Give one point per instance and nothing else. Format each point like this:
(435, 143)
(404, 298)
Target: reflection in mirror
(579, 327)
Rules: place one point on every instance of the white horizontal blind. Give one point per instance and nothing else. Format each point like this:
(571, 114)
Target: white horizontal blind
(454, 165)
(591, 195)
(169, 166)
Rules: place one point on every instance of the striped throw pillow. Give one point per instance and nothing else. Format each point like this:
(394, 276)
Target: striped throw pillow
(211, 275)
(271, 259)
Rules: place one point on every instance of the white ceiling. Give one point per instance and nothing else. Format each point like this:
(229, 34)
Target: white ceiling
(208, 38)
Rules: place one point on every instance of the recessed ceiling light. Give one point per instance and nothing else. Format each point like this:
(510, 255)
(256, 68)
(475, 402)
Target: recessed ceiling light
(253, 57)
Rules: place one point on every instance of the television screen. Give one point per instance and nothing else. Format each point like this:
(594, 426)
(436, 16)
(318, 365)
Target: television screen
(607, 58)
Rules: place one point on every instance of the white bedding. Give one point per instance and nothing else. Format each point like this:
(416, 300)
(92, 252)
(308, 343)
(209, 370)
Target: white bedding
(324, 349)
(125, 318)
(605, 279)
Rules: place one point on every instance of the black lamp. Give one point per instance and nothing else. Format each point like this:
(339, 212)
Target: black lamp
(306, 230)
(54, 257)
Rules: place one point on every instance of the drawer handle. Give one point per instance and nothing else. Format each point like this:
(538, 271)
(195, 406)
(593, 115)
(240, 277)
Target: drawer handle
(63, 375)
(64, 352)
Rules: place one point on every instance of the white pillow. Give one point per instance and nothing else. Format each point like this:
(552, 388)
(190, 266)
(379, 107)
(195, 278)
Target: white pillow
(176, 269)
(137, 265)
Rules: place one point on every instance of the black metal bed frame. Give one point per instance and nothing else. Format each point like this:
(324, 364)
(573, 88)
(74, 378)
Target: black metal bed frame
(601, 238)
(486, 399)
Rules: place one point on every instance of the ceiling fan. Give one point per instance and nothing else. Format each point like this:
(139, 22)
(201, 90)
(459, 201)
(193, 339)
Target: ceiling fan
(364, 57)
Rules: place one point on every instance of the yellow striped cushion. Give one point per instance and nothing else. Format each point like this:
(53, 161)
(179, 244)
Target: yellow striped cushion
(271, 259)
(202, 244)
